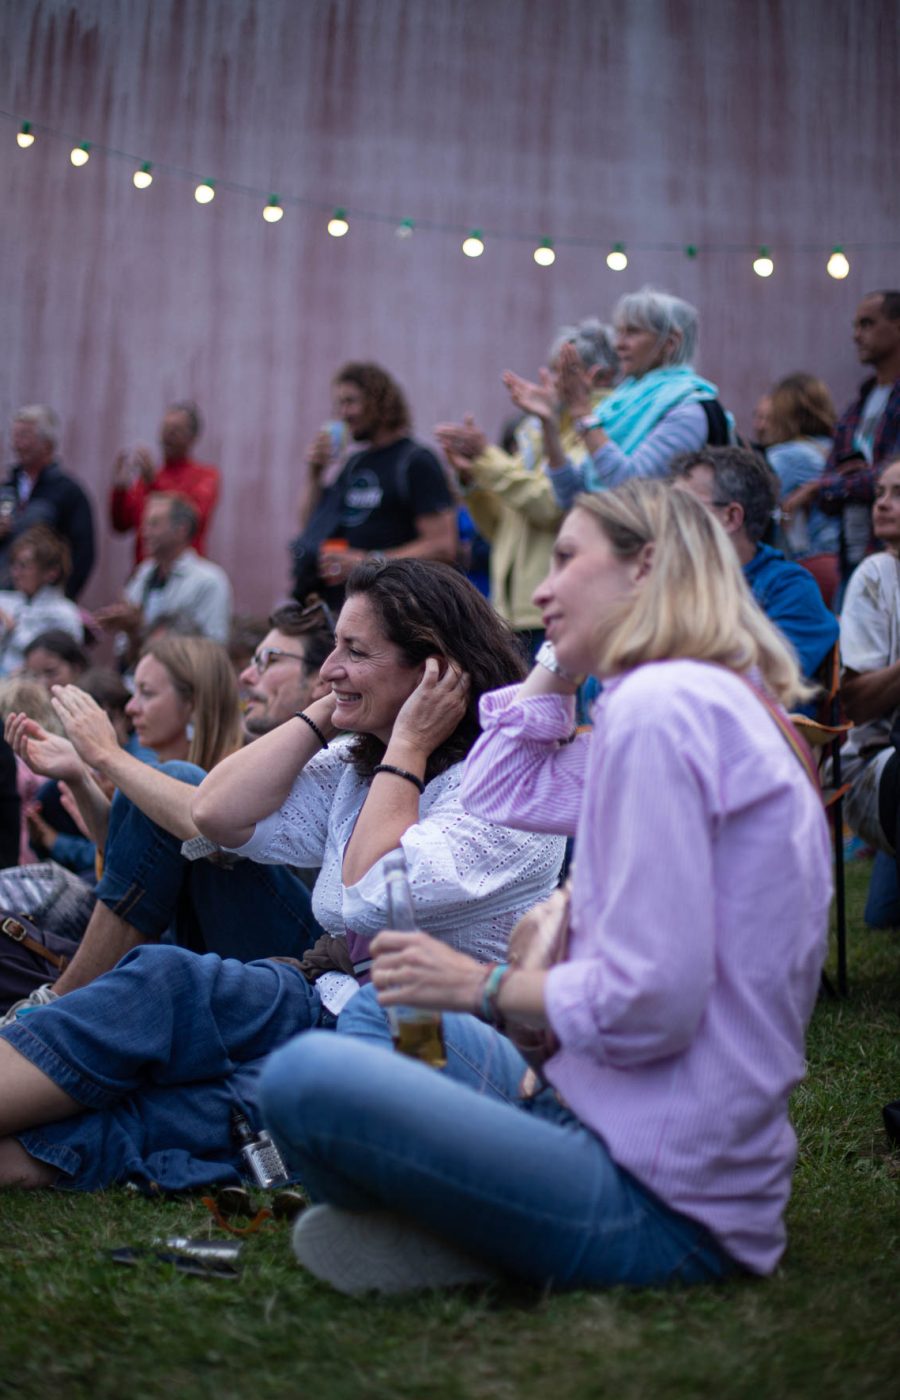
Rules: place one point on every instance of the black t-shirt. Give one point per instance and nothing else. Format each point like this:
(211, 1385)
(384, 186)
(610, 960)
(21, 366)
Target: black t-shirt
(383, 492)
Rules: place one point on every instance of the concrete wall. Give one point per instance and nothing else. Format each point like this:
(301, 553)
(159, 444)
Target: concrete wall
(657, 122)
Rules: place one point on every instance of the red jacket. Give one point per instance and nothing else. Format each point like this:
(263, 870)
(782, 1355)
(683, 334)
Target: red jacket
(194, 480)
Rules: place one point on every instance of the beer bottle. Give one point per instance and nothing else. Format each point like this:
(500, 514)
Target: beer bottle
(414, 1032)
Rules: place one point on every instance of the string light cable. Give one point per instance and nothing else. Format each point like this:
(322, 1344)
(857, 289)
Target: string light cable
(472, 241)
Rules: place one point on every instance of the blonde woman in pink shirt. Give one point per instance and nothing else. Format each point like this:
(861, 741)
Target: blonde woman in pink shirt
(659, 1148)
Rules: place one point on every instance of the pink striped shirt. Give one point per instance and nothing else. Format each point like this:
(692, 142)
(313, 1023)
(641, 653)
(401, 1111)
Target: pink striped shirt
(699, 914)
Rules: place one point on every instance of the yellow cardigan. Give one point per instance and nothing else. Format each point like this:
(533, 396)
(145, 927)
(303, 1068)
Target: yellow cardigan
(512, 504)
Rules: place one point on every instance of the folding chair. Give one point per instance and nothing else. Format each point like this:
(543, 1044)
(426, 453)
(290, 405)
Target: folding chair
(825, 734)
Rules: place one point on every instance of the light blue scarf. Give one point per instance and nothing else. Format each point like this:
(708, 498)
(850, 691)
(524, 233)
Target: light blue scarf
(637, 405)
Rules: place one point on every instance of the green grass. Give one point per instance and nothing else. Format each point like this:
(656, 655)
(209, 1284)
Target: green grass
(73, 1324)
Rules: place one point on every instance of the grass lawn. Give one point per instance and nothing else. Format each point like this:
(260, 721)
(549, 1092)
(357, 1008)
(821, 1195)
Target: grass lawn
(827, 1325)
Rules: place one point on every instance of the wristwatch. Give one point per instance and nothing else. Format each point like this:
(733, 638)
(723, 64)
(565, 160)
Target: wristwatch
(546, 656)
(586, 424)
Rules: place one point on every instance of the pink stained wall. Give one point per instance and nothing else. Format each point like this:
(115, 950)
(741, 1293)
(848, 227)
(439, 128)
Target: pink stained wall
(654, 121)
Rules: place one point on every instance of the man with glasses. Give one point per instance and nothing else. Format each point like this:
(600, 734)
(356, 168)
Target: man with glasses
(232, 907)
(742, 492)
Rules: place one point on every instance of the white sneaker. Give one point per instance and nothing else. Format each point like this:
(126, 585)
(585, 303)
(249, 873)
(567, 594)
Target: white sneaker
(356, 1252)
(41, 996)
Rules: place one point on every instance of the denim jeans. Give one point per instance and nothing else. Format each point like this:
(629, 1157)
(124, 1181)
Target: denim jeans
(883, 897)
(244, 911)
(525, 1187)
(158, 1051)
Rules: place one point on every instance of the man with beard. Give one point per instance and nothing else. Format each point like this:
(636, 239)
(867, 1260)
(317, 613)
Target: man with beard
(391, 499)
(152, 882)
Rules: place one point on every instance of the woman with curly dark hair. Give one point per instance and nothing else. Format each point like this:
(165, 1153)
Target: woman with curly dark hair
(373, 766)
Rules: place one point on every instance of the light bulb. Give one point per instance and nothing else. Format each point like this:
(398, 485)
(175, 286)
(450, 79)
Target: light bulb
(205, 192)
(837, 266)
(142, 179)
(405, 228)
(473, 246)
(80, 155)
(543, 254)
(273, 210)
(337, 224)
(25, 136)
(763, 265)
(617, 260)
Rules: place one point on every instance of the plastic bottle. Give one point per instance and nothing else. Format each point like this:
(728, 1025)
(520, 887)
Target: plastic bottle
(416, 1033)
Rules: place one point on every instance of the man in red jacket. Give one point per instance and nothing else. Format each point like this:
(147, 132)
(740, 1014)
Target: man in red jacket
(179, 473)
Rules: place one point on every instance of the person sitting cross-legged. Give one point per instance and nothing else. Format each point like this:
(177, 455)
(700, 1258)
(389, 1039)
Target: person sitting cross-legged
(149, 885)
(658, 1147)
(160, 1049)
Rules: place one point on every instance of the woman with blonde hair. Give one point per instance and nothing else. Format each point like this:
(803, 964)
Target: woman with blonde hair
(801, 428)
(669, 1028)
(185, 708)
(22, 694)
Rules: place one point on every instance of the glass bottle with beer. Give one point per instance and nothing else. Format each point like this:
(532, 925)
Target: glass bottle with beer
(416, 1033)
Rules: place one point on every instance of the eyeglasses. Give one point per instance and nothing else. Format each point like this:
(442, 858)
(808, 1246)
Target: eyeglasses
(263, 658)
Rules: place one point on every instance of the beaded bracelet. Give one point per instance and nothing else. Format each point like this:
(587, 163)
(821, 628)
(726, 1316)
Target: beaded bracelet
(488, 1010)
(313, 726)
(399, 773)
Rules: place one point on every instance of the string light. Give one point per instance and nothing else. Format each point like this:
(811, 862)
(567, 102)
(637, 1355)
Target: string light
(142, 179)
(25, 136)
(837, 266)
(543, 254)
(337, 224)
(473, 246)
(80, 155)
(273, 210)
(617, 260)
(763, 265)
(405, 228)
(205, 192)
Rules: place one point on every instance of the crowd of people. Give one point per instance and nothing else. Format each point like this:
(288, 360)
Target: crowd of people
(586, 762)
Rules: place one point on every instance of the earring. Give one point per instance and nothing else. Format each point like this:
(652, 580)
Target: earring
(189, 732)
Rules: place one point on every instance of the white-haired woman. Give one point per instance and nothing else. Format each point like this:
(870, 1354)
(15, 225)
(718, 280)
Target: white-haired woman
(507, 494)
(660, 1148)
(661, 408)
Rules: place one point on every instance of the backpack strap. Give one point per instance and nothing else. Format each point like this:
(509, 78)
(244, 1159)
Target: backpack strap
(791, 735)
(717, 433)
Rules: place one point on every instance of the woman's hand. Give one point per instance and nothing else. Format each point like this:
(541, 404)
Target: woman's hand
(431, 713)
(48, 755)
(461, 443)
(87, 725)
(539, 399)
(801, 498)
(40, 833)
(414, 969)
(574, 382)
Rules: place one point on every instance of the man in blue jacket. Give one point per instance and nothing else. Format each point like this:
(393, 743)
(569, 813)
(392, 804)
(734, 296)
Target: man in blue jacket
(742, 493)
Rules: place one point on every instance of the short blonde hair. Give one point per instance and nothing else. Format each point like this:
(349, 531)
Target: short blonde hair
(203, 675)
(695, 602)
(20, 695)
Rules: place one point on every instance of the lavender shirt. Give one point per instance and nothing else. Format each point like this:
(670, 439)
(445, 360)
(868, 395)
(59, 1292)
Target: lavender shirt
(699, 913)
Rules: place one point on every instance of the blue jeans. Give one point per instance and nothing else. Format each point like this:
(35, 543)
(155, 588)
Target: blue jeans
(246, 911)
(525, 1187)
(883, 899)
(158, 1051)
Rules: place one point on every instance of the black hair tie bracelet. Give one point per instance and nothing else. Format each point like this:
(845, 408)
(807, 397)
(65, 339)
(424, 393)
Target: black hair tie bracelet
(399, 773)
